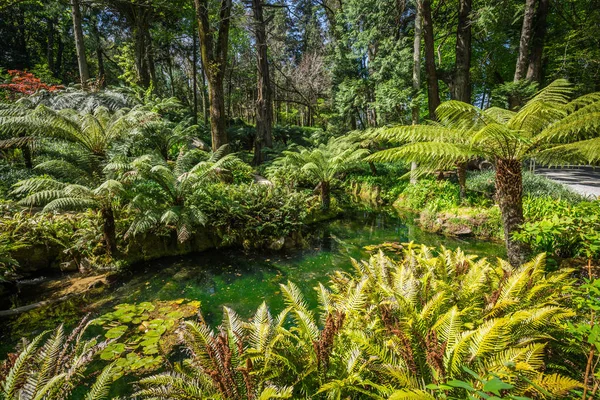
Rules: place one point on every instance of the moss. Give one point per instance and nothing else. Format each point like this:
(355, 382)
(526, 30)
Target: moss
(483, 223)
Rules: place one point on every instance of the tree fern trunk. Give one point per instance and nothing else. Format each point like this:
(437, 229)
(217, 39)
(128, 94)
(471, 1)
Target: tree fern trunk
(108, 227)
(325, 195)
(509, 193)
(461, 173)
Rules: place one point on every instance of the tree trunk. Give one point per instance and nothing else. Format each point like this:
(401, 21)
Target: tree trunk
(264, 104)
(144, 61)
(373, 168)
(534, 71)
(433, 91)
(509, 193)
(525, 42)
(109, 231)
(416, 78)
(50, 45)
(416, 75)
(216, 100)
(101, 72)
(27, 157)
(214, 61)
(325, 195)
(194, 73)
(84, 74)
(461, 173)
(59, 55)
(461, 85)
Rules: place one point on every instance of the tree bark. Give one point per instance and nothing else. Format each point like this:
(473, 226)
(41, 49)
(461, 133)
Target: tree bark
(109, 231)
(264, 103)
(84, 74)
(99, 57)
(144, 59)
(509, 194)
(194, 73)
(27, 156)
(416, 78)
(534, 70)
(50, 45)
(525, 42)
(433, 91)
(461, 84)
(325, 195)
(214, 60)
(461, 174)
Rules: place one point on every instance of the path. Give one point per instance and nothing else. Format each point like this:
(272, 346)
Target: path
(584, 180)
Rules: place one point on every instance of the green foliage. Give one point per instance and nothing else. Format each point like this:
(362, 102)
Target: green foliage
(64, 237)
(142, 334)
(390, 326)
(533, 185)
(52, 364)
(561, 228)
(584, 334)
(253, 215)
(431, 194)
(9, 175)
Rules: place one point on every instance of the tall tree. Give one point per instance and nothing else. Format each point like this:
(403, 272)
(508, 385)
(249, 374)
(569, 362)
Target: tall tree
(84, 74)
(214, 59)
(416, 75)
(433, 91)
(264, 103)
(461, 85)
(534, 70)
(525, 42)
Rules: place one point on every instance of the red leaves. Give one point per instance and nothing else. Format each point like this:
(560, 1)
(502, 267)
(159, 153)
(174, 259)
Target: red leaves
(26, 83)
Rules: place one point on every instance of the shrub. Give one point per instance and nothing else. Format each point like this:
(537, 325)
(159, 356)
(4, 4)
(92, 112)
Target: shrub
(434, 195)
(533, 185)
(251, 214)
(11, 174)
(560, 228)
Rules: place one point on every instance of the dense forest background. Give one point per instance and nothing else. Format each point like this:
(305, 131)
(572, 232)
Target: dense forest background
(335, 64)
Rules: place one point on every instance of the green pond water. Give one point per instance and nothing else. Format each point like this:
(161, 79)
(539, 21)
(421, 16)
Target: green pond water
(228, 277)
(234, 278)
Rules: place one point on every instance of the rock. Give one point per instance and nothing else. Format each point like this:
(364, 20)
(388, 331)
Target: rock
(277, 244)
(85, 266)
(69, 266)
(461, 230)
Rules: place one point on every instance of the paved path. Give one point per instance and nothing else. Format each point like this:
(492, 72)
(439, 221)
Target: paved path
(584, 180)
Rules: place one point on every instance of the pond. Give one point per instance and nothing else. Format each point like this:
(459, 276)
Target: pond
(235, 278)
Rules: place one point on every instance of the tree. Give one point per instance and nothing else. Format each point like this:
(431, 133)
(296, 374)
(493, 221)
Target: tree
(324, 162)
(264, 103)
(433, 92)
(163, 193)
(85, 140)
(526, 39)
(549, 128)
(59, 196)
(461, 83)
(213, 49)
(84, 74)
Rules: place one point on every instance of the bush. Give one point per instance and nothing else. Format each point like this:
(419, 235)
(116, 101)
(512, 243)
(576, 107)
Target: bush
(561, 228)
(435, 195)
(251, 214)
(11, 174)
(533, 185)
